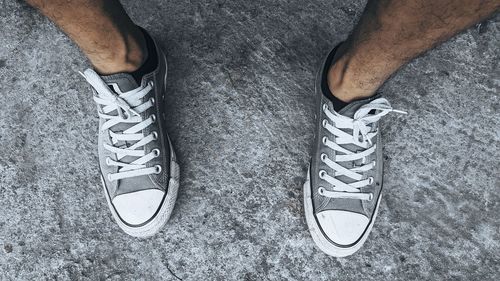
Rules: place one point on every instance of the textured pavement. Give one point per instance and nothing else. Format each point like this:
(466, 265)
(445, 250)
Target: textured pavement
(240, 108)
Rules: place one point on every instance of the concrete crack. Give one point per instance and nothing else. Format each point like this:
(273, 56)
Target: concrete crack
(171, 272)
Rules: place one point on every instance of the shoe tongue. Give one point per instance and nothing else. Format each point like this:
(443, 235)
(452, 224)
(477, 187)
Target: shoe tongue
(350, 109)
(124, 81)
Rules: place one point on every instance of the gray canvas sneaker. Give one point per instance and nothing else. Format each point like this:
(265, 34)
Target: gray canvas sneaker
(139, 170)
(343, 188)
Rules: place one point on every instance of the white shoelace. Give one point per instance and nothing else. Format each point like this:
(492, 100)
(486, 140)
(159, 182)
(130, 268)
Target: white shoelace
(127, 108)
(361, 126)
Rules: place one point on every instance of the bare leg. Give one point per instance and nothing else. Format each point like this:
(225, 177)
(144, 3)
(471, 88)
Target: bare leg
(392, 32)
(102, 29)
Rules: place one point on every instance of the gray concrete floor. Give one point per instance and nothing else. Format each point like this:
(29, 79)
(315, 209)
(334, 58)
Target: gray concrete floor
(240, 109)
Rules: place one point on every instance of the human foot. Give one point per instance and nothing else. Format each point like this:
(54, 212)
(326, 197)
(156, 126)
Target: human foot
(343, 188)
(139, 170)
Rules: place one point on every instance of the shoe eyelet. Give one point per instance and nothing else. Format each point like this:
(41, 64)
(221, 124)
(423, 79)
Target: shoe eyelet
(157, 169)
(156, 152)
(108, 161)
(321, 191)
(153, 118)
(324, 123)
(325, 107)
(370, 180)
(155, 135)
(323, 157)
(371, 197)
(374, 163)
(152, 100)
(151, 83)
(322, 174)
(324, 140)
(109, 177)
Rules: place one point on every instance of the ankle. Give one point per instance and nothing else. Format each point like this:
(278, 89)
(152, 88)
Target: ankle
(127, 54)
(347, 85)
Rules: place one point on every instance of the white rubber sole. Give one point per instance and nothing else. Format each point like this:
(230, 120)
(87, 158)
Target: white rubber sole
(163, 214)
(319, 238)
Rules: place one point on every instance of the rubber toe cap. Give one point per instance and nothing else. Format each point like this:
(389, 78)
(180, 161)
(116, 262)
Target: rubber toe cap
(342, 227)
(138, 207)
